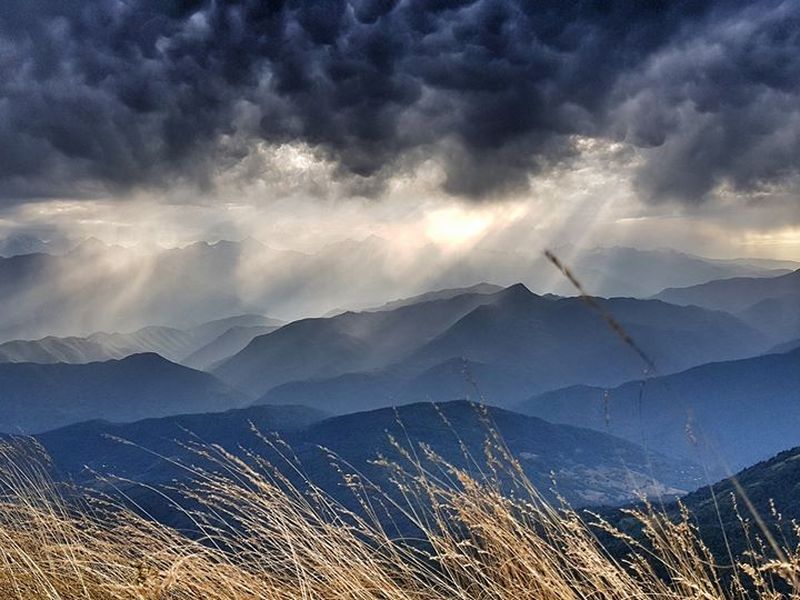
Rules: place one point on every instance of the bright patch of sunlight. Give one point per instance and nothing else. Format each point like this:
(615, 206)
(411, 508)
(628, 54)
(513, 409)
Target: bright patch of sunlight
(456, 227)
(783, 243)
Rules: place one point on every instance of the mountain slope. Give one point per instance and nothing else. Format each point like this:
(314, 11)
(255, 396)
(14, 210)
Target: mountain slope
(478, 288)
(777, 317)
(736, 294)
(771, 304)
(785, 347)
(211, 330)
(178, 344)
(168, 342)
(588, 467)
(96, 443)
(513, 329)
(342, 394)
(771, 486)
(719, 412)
(621, 271)
(36, 397)
(225, 345)
(604, 271)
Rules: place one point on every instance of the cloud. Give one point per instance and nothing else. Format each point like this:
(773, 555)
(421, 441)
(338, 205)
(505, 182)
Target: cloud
(110, 96)
(720, 106)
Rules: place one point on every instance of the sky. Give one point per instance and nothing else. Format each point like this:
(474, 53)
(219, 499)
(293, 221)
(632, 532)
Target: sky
(464, 124)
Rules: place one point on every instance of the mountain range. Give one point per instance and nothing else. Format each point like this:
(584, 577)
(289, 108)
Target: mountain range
(457, 378)
(480, 343)
(734, 294)
(197, 346)
(608, 395)
(621, 271)
(346, 343)
(96, 287)
(770, 304)
(100, 287)
(513, 342)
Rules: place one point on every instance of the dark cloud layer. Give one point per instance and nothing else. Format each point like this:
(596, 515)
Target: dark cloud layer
(125, 93)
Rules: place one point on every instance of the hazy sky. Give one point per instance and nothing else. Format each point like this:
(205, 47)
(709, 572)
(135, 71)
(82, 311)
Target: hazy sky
(500, 124)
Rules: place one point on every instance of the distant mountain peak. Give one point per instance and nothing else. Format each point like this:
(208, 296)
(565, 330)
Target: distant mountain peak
(517, 291)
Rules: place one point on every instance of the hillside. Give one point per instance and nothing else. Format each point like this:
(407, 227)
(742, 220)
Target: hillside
(589, 467)
(772, 487)
(768, 491)
(785, 347)
(769, 304)
(713, 413)
(96, 443)
(37, 397)
(225, 345)
(178, 344)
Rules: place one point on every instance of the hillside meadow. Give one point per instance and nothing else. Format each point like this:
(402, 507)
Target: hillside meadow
(256, 535)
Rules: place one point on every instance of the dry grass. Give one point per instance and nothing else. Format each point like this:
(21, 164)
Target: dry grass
(264, 538)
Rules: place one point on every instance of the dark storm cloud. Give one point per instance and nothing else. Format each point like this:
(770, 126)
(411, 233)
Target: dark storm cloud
(120, 94)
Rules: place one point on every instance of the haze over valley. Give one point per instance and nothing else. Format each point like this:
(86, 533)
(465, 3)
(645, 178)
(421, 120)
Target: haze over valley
(539, 353)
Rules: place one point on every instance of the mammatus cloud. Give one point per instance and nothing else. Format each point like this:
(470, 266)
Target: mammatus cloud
(112, 95)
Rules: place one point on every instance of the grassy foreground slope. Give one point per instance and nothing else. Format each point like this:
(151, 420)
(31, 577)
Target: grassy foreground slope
(265, 539)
